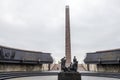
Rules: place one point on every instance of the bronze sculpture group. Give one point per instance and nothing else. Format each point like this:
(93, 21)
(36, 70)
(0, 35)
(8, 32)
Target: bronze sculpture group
(73, 66)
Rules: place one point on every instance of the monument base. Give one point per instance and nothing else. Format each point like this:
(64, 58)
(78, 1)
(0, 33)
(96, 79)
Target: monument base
(69, 76)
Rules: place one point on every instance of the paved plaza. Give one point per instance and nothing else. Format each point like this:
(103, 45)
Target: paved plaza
(55, 78)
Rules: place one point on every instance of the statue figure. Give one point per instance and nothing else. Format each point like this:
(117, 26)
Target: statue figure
(73, 66)
(70, 67)
(63, 61)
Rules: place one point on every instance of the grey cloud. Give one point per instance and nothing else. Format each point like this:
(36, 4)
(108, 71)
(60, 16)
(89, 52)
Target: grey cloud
(39, 25)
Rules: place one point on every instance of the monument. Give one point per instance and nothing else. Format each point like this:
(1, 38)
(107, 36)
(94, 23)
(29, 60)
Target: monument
(70, 72)
(68, 69)
(67, 36)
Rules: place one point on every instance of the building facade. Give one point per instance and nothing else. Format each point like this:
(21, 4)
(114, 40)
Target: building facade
(12, 59)
(103, 61)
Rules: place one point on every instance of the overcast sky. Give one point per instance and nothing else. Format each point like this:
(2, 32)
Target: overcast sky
(39, 25)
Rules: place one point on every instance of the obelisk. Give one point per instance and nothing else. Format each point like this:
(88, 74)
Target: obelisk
(67, 73)
(67, 36)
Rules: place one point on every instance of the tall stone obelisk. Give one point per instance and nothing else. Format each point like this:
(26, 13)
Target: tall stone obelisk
(66, 74)
(67, 36)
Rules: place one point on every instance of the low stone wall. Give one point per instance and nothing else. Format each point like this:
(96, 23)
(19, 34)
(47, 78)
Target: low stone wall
(45, 67)
(92, 67)
(22, 67)
(104, 67)
(108, 68)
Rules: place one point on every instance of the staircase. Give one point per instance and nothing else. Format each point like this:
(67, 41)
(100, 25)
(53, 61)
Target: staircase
(81, 67)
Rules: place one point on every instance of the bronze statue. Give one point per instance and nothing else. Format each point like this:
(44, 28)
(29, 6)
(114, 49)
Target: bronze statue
(63, 61)
(73, 66)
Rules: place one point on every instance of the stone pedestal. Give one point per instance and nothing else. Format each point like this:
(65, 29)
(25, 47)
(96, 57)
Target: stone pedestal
(69, 76)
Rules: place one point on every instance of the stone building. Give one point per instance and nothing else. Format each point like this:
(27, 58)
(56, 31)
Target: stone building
(103, 61)
(12, 59)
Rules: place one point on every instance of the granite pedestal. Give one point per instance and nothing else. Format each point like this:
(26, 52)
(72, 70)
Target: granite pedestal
(69, 76)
